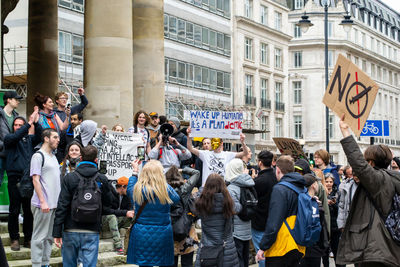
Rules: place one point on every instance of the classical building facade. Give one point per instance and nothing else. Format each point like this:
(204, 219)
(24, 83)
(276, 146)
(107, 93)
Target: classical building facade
(260, 67)
(373, 44)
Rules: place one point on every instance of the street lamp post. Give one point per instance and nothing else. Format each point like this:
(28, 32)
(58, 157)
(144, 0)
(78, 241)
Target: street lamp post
(304, 25)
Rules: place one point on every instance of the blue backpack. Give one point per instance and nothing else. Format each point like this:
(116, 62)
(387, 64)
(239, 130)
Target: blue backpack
(307, 228)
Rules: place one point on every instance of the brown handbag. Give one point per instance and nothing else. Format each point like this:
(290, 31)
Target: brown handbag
(128, 232)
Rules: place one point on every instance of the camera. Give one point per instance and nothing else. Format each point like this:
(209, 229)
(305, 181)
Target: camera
(166, 130)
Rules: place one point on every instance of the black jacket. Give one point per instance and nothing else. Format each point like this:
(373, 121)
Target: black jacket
(120, 209)
(19, 148)
(180, 137)
(4, 130)
(264, 182)
(63, 218)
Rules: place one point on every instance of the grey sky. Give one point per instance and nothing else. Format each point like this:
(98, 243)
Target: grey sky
(394, 4)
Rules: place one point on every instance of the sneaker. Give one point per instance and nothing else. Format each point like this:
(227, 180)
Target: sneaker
(119, 251)
(27, 244)
(15, 245)
(331, 255)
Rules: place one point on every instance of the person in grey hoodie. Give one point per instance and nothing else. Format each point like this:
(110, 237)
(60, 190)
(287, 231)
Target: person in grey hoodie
(237, 177)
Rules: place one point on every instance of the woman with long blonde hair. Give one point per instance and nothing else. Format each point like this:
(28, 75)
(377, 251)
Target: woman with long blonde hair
(151, 240)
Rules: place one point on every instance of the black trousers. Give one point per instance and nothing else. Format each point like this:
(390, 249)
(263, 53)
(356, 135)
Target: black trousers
(243, 250)
(310, 262)
(186, 260)
(16, 201)
(290, 259)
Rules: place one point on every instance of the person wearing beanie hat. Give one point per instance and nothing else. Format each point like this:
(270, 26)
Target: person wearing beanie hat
(236, 175)
(303, 166)
(122, 181)
(177, 134)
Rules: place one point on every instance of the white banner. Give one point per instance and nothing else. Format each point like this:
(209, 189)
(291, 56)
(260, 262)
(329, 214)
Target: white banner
(220, 124)
(119, 150)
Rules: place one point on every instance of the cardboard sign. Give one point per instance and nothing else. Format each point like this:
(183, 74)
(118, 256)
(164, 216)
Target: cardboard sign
(289, 146)
(216, 124)
(119, 150)
(351, 92)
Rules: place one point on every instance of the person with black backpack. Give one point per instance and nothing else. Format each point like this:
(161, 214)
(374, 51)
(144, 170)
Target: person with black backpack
(83, 199)
(372, 228)
(182, 214)
(241, 188)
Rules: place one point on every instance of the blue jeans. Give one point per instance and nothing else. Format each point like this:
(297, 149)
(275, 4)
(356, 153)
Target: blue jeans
(256, 237)
(82, 246)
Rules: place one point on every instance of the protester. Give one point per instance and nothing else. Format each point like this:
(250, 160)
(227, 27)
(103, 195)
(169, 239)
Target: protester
(313, 255)
(215, 161)
(163, 119)
(237, 176)
(3, 258)
(78, 233)
(177, 134)
(205, 145)
(48, 118)
(140, 122)
(154, 128)
(118, 128)
(347, 189)
(365, 238)
(186, 247)
(395, 164)
(45, 174)
(72, 159)
(19, 149)
(121, 204)
(333, 211)
(322, 158)
(277, 246)
(7, 115)
(88, 135)
(151, 241)
(348, 172)
(74, 128)
(215, 208)
(62, 99)
(167, 154)
(264, 183)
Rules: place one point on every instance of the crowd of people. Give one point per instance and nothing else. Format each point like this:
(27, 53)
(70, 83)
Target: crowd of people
(245, 212)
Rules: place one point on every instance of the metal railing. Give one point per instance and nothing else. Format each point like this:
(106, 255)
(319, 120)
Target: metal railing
(250, 100)
(279, 106)
(265, 103)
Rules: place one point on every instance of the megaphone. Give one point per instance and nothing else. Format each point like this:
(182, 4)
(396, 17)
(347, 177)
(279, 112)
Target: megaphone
(166, 129)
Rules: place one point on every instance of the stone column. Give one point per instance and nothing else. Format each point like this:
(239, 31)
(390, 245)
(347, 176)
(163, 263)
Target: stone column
(148, 55)
(108, 74)
(42, 49)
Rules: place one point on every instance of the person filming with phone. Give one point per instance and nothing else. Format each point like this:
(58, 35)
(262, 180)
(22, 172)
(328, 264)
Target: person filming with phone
(168, 150)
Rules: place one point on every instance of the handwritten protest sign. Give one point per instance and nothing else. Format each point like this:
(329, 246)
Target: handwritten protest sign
(288, 146)
(351, 92)
(119, 150)
(216, 124)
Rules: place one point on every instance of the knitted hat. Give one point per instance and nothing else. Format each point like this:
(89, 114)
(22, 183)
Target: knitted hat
(233, 169)
(176, 121)
(123, 180)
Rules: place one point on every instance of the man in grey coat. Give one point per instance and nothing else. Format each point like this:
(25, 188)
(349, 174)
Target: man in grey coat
(365, 239)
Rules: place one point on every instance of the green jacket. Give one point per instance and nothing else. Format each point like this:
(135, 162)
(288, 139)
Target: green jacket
(365, 237)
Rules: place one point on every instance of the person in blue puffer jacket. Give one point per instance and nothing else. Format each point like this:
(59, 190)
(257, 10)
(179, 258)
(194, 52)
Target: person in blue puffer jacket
(151, 240)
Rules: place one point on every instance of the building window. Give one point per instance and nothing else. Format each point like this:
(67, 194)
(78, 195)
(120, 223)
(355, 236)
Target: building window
(364, 65)
(196, 35)
(355, 36)
(278, 20)
(249, 89)
(298, 131)
(363, 39)
(219, 7)
(77, 5)
(264, 94)
(331, 126)
(278, 58)
(297, 92)
(196, 76)
(248, 48)
(77, 49)
(297, 31)
(298, 59)
(378, 47)
(264, 53)
(278, 127)
(330, 28)
(298, 4)
(264, 127)
(64, 46)
(248, 8)
(278, 92)
(264, 15)
(330, 58)
(372, 44)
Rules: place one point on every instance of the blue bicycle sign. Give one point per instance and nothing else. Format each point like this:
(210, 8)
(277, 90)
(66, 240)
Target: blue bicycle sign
(375, 128)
